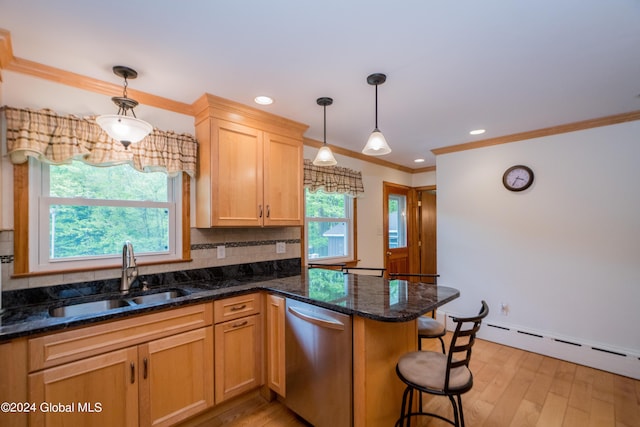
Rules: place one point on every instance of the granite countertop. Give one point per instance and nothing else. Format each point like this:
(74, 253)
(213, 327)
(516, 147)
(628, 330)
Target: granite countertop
(361, 295)
(366, 296)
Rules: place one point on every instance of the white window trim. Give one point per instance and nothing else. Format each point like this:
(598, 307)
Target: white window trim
(350, 226)
(39, 202)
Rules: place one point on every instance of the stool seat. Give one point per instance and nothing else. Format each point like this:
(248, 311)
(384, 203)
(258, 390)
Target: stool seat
(428, 369)
(430, 327)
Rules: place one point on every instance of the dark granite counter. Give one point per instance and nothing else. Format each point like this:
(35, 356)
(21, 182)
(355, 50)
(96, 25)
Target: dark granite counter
(365, 296)
(27, 312)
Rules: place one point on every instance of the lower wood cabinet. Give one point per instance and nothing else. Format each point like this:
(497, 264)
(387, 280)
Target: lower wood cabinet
(154, 384)
(176, 377)
(149, 370)
(238, 346)
(98, 391)
(276, 379)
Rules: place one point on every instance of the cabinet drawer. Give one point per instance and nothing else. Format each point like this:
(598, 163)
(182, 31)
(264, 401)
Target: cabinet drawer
(63, 347)
(236, 307)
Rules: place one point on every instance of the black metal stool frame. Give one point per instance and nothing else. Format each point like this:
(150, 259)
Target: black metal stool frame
(452, 394)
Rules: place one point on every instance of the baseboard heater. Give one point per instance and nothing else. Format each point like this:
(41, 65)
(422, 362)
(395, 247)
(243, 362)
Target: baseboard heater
(614, 360)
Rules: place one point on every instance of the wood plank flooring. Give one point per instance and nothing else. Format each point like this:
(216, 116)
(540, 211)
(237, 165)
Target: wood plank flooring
(512, 388)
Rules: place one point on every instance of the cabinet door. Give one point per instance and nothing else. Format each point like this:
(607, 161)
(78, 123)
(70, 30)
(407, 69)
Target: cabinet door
(275, 344)
(238, 356)
(97, 391)
(237, 187)
(283, 180)
(176, 377)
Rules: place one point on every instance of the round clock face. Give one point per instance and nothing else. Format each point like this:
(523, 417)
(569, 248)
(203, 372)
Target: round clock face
(517, 178)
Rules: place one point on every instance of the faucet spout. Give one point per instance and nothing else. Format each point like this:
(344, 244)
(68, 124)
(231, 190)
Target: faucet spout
(129, 267)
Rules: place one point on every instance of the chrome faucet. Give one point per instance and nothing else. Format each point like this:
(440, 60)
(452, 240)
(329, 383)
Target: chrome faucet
(129, 267)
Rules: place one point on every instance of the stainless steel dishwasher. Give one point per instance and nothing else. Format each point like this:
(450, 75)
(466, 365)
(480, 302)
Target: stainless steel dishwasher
(319, 364)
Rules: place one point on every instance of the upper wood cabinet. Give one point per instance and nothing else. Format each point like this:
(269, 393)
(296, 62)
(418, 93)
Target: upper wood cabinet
(249, 166)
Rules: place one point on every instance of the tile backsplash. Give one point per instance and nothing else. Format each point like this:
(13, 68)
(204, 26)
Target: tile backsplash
(242, 245)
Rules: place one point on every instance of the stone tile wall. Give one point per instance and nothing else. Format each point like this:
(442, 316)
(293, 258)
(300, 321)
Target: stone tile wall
(242, 245)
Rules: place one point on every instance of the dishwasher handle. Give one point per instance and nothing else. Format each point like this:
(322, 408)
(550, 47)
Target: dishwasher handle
(325, 322)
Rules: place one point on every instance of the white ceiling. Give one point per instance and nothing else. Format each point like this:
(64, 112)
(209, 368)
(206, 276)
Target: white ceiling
(452, 66)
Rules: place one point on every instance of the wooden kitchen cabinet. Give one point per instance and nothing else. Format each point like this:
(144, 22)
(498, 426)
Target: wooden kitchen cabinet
(107, 384)
(275, 344)
(176, 377)
(238, 346)
(13, 380)
(249, 166)
(160, 372)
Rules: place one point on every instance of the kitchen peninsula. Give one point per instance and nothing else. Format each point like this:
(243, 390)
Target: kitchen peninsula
(383, 317)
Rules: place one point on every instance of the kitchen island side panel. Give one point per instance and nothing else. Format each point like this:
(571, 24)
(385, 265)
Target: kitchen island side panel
(377, 391)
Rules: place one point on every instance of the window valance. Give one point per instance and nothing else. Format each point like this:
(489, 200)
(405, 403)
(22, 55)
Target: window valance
(332, 179)
(58, 139)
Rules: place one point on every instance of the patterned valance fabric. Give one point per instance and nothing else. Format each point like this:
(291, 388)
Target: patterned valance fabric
(332, 179)
(58, 139)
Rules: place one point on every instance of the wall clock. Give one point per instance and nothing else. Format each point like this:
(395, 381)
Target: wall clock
(517, 178)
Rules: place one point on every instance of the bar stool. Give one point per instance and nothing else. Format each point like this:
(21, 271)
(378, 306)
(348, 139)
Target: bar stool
(428, 327)
(441, 374)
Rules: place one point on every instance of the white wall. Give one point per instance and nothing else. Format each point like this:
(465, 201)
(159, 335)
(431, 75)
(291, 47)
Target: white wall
(370, 242)
(564, 254)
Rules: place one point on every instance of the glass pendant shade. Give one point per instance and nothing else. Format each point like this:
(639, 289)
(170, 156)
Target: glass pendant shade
(325, 157)
(125, 129)
(376, 144)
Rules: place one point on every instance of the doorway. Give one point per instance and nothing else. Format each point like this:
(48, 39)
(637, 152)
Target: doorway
(397, 230)
(409, 229)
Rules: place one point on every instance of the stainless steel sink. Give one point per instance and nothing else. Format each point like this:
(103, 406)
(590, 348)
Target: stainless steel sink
(107, 304)
(158, 297)
(87, 307)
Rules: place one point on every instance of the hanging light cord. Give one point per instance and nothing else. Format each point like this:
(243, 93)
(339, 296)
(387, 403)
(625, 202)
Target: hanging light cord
(376, 107)
(126, 83)
(324, 107)
(123, 106)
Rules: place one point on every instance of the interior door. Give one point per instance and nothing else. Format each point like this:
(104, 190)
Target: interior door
(427, 220)
(397, 217)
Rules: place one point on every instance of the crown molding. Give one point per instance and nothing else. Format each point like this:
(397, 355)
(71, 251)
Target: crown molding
(6, 50)
(68, 78)
(538, 133)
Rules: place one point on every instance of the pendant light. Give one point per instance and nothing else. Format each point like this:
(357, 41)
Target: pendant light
(325, 156)
(376, 144)
(120, 126)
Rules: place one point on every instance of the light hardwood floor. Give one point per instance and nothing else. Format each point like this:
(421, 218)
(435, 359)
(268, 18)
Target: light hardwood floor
(512, 388)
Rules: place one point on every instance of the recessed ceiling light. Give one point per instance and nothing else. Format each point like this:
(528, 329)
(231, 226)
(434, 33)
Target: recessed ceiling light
(419, 160)
(477, 132)
(263, 100)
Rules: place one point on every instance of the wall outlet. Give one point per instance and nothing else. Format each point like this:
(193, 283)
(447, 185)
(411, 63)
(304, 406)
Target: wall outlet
(504, 308)
(221, 252)
(281, 247)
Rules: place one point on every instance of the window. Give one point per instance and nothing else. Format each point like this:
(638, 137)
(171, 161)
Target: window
(397, 221)
(329, 226)
(83, 214)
